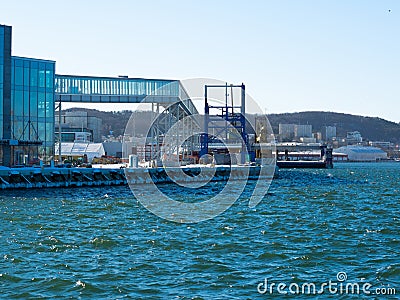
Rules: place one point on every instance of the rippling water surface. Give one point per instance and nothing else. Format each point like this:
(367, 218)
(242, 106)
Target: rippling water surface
(101, 243)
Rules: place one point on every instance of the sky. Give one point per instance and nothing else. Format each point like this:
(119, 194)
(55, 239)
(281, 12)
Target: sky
(340, 56)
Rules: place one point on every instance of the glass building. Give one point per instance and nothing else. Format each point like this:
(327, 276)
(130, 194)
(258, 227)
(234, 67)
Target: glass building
(26, 106)
(29, 88)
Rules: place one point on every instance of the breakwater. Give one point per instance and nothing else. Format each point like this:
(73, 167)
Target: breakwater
(15, 178)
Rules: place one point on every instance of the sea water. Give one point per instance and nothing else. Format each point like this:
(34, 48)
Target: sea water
(101, 243)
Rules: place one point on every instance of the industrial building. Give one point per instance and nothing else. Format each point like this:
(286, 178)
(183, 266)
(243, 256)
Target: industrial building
(360, 153)
(290, 132)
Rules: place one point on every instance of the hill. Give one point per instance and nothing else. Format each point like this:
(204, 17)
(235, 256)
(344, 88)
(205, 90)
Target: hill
(374, 129)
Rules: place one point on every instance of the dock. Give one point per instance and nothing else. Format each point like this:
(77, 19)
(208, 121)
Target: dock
(302, 164)
(31, 177)
(322, 159)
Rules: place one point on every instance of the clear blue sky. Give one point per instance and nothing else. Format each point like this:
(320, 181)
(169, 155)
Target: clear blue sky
(298, 55)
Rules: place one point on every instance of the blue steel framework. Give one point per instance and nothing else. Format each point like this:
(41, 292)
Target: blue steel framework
(227, 113)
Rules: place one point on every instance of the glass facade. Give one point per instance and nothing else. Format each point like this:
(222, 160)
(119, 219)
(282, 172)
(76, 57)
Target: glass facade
(86, 85)
(26, 106)
(129, 90)
(32, 109)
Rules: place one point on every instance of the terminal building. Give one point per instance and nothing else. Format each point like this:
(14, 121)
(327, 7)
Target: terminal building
(30, 91)
(26, 106)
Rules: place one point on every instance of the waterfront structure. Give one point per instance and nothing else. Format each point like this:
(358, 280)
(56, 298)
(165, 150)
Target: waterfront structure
(360, 153)
(169, 101)
(217, 123)
(29, 89)
(86, 151)
(328, 133)
(80, 150)
(26, 106)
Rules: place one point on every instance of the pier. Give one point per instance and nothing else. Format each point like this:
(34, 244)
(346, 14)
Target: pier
(25, 178)
(306, 157)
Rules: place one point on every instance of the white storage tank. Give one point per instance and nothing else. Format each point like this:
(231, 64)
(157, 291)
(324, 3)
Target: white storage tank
(360, 153)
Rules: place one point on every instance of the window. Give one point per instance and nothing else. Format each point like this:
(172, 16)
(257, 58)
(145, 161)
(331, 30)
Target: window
(26, 76)
(18, 103)
(49, 79)
(41, 104)
(34, 77)
(33, 104)
(49, 105)
(41, 78)
(19, 76)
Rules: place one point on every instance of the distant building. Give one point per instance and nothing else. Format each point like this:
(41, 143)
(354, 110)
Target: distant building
(328, 133)
(308, 140)
(113, 149)
(354, 137)
(303, 131)
(317, 136)
(383, 145)
(286, 131)
(70, 135)
(360, 153)
(75, 121)
(290, 132)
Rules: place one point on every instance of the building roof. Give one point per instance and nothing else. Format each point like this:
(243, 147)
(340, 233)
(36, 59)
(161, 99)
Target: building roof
(360, 149)
(80, 149)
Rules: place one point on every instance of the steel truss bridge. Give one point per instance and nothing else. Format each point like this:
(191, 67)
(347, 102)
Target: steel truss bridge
(169, 101)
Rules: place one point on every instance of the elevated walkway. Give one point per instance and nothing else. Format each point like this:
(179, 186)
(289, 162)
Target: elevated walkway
(169, 94)
(89, 89)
